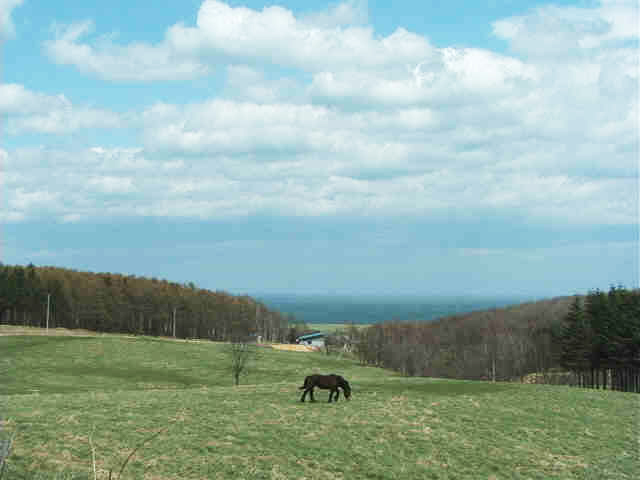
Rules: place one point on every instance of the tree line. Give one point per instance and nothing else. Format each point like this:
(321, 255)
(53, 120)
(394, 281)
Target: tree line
(590, 341)
(498, 344)
(108, 302)
(600, 340)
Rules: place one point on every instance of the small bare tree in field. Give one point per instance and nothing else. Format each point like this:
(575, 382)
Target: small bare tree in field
(241, 352)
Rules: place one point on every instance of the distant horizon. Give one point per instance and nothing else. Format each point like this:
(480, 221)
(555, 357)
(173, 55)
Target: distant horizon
(345, 294)
(371, 309)
(356, 296)
(395, 293)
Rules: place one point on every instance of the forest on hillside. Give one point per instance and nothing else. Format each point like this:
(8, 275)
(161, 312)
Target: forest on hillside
(109, 302)
(589, 341)
(496, 344)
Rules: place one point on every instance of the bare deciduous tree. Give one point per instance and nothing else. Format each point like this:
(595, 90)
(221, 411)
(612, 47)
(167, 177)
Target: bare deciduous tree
(240, 354)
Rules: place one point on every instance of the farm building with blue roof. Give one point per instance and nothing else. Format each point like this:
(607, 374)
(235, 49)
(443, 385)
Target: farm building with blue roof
(315, 339)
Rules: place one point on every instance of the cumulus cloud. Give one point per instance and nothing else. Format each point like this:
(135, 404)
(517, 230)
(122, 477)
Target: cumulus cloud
(275, 35)
(554, 31)
(353, 175)
(108, 60)
(6, 23)
(71, 185)
(449, 76)
(377, 126)
(272, 35)
(352, 12)
(246, 83)
(29, 111)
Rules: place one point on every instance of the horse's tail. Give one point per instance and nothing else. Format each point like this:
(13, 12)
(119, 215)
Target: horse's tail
(306, 382)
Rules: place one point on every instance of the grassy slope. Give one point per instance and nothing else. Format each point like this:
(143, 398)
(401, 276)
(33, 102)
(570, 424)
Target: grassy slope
(58, 389)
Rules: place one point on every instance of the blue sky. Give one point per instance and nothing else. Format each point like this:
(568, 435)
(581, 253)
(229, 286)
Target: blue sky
(478, 148)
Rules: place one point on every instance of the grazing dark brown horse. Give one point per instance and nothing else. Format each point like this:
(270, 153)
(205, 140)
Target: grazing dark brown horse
(331, 382)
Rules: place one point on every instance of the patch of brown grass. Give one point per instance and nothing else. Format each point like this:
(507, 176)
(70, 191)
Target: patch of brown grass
(9, 330)
(292, 348)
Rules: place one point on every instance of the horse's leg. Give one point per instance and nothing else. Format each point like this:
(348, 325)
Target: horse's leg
(337, 395)
(311, 393)
(304, 394)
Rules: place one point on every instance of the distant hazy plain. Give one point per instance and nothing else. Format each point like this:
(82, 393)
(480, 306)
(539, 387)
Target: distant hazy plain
(364, 309)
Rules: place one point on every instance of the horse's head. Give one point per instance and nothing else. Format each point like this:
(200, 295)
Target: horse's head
(346, 388)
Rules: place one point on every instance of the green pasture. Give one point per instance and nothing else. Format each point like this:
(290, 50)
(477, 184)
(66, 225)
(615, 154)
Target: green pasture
(61, 396)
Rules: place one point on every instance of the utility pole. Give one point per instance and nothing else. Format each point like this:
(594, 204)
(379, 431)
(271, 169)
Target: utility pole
(48, 305)
(174, 322)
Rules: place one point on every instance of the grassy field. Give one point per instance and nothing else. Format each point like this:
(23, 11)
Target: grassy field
(62, 394)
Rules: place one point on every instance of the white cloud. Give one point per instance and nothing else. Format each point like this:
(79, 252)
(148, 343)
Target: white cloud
(450, 76)
(137, 61)
(352, 12)
(553, 31)
(110, 184)
(27, 200)
(6, 23)
(225, 126)
(29, 111)
(273, 35)
(64, 121)
(382, 126)
(16, 99)
(247, 83)
(348, 173)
